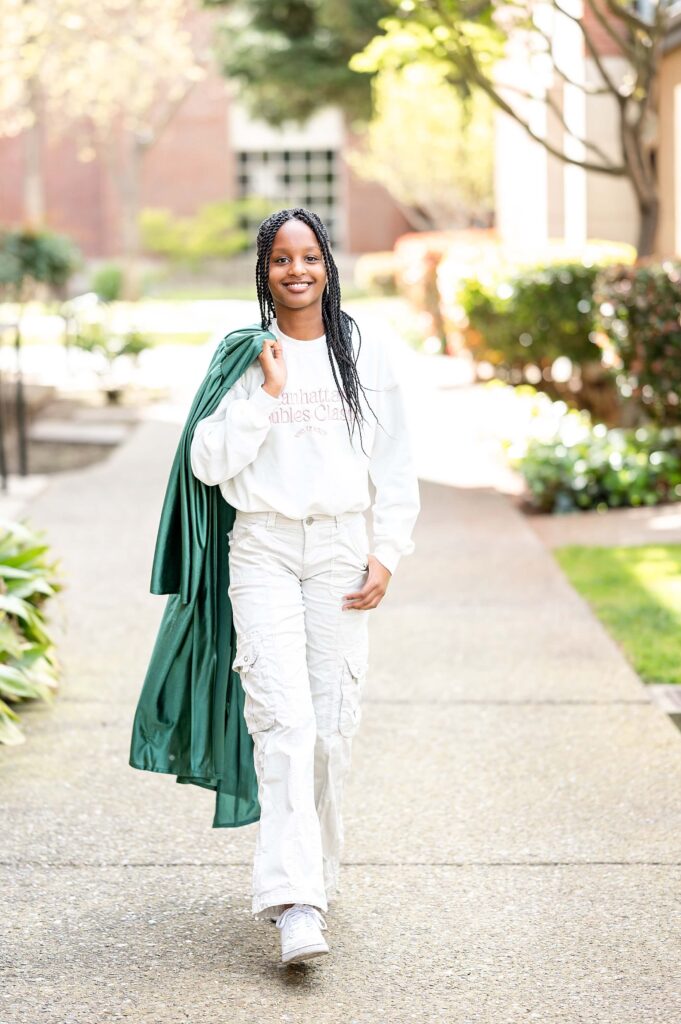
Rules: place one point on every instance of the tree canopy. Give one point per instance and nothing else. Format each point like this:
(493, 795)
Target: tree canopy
(292, 56)
(465, 40)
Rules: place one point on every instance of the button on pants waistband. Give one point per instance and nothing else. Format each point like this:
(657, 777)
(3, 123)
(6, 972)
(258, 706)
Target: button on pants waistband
(271, 519)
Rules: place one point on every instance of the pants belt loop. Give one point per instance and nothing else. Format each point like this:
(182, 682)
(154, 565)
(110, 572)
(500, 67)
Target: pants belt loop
(271, 519)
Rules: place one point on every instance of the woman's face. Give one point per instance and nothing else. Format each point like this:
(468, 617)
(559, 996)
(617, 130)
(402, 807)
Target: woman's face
(296, 274)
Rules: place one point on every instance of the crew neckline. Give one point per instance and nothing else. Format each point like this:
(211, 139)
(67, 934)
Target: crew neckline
(297, 341)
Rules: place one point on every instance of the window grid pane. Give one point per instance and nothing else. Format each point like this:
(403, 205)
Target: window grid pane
(294, 177)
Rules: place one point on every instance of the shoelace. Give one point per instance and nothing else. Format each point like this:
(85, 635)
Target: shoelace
(297, 914)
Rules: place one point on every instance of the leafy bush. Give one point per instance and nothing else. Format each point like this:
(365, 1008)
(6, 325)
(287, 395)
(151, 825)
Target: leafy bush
(107, 346)
(639, 331)
(569, 464)
(534, 317)
(98, 338)
(28, 662)
(432, 266)
(107, 282)
(217, 231)
(31, 259)
(539, 326)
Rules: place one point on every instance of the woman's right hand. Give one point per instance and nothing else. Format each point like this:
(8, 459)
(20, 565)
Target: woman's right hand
(271, 359)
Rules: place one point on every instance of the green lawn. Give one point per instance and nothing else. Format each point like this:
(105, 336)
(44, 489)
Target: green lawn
(636, 593)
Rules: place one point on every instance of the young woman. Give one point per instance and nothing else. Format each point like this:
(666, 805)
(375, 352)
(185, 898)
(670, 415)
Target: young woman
(292, 445)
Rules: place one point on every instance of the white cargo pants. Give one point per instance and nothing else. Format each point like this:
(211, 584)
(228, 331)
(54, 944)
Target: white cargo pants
(302, 661)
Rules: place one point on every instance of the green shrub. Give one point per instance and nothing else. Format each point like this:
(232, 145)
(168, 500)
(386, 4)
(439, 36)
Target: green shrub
(98, 338)
(107, 282)
(28, 662)
(217, 231)
(638, 328)
(534, 317)
(108, 346)
(568, 463)
(32, 259)
(613, 468)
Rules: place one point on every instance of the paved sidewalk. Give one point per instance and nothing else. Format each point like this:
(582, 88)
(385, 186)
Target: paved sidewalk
(626, 527)
(513, 825)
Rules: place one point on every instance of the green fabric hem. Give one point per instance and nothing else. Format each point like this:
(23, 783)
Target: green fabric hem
(235, 824)
(168, 770)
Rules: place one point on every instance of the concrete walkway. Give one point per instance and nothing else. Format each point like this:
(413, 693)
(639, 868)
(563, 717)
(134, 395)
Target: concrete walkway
(513, 823)
(626, 527)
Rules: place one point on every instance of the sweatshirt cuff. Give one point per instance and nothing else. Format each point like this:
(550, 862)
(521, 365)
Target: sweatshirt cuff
(261, 405)
(387, 556)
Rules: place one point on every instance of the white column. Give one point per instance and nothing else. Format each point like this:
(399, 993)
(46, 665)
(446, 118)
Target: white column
(676, 168)
(569, 56)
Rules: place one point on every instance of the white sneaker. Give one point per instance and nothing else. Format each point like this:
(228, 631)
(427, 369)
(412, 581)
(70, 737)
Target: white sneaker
(301, 933)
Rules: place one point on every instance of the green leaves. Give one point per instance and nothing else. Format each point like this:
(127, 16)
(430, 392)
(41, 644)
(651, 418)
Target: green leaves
(638, 328)
(29, 667)
(600, 468)
(216, 231)
(29, 257)
(290, 58)
(536, 316)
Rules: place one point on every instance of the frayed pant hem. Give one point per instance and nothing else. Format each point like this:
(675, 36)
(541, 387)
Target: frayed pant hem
(278, 902)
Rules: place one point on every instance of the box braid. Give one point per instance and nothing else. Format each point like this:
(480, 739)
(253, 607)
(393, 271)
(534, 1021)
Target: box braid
(337, 324)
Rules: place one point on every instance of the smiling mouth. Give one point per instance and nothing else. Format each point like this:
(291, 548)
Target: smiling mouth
(299, 286)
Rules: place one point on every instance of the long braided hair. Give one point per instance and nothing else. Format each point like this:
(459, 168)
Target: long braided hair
(338, 325)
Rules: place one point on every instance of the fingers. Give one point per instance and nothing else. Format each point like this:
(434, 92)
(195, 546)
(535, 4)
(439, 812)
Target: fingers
(270, 350)
(369, 596)
(363, 607)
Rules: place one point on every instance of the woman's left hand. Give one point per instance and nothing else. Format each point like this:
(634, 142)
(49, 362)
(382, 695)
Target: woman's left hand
(373, 591)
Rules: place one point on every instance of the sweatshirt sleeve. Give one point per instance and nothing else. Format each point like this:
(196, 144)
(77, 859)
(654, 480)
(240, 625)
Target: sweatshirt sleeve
(393, 473)
(229, 439)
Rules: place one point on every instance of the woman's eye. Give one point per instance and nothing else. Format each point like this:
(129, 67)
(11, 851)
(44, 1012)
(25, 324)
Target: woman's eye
(284, 259)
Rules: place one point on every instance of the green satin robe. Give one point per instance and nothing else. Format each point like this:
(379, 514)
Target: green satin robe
(189, 720)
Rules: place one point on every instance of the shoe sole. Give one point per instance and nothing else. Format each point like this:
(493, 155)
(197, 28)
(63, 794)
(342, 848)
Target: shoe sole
(306, 953)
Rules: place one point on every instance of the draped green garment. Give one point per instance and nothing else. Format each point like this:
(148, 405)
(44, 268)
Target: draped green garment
(189, 719)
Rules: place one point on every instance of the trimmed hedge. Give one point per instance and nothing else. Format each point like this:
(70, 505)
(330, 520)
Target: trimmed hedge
(533, 317)
(639, 332)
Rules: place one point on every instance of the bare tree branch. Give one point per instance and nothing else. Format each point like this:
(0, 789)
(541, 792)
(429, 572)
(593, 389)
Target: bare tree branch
(553, 106)
(596, 57)
(480, 80)
(468, 61)
(625, 13)
(625, 45)
(586, 89)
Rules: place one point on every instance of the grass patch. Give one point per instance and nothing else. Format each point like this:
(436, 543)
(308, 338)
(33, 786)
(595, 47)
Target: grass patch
(636, 593)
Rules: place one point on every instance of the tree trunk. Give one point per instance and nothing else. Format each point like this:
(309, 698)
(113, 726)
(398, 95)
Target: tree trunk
(129, 190)
(34, 145)
(649, 212)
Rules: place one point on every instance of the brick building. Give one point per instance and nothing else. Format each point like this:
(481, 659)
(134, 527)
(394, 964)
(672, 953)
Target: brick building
(212, 150)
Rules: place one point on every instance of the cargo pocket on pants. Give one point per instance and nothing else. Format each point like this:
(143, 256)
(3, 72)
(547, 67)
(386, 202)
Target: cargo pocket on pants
(251, 663)
(352, 680)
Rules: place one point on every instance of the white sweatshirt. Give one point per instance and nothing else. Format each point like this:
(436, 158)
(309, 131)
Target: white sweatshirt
(293, 454)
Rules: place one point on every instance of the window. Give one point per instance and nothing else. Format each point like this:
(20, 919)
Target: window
(305, 177)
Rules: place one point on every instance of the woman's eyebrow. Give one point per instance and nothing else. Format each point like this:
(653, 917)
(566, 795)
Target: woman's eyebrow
(310, 248)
